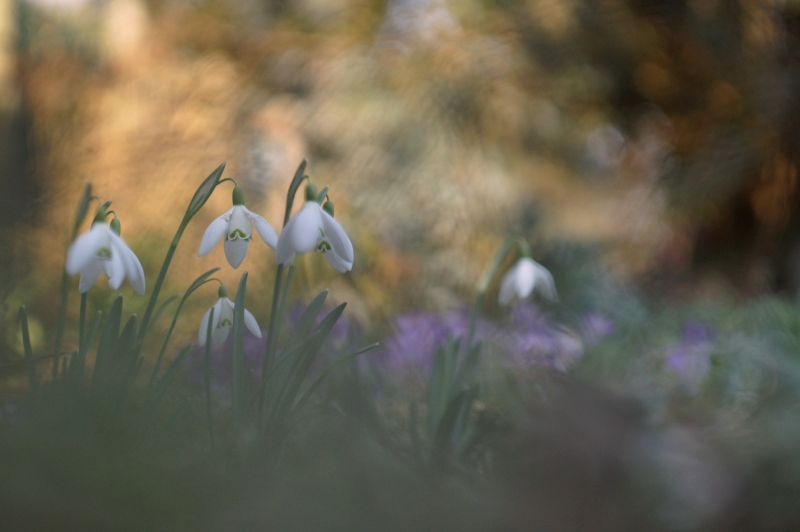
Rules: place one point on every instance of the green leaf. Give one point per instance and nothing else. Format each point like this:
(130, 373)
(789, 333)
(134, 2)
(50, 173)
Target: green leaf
(207, 379)
(449, 430)
(157, 393)
(80, 215)
(127, 336)
(163, 306)
(108, 342)
(204, 191)
(339, 362)
(306, 322)
(303, 361)
(26, 344)
(237, 358)
(295, 184)
(197, 283)
(78, 369)
(466, 371)
(83, 207)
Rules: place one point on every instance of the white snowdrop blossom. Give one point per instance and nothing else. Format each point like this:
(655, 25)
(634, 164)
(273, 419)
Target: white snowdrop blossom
(223, 321)
(101, 250)
(313, 228)
(523, 278)
(235, 226)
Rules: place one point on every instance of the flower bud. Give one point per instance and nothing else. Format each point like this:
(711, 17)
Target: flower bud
(328, 207)
(115, 226)
(101, 214)
(311, 192)
(223, 292)
(238, 195)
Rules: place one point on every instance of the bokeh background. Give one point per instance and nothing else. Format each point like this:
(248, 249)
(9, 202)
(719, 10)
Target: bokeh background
(655, 142)
(647, 149)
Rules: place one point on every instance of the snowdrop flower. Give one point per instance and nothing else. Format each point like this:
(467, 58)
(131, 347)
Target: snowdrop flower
(525, 276)
(314, 228)
(223, 320)
(102, 250)
(235, 226)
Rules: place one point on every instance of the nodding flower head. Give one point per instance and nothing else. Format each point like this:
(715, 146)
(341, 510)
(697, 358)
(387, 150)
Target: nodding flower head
(523, 278)
(235, 226)
(223, 320)
(102, 250)
(315, 228)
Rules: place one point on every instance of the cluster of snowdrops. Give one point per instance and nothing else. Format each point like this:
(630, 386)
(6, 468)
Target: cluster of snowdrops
(102, 250)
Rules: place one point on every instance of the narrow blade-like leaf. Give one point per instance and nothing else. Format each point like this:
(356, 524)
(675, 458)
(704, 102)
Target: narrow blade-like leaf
(237, 358)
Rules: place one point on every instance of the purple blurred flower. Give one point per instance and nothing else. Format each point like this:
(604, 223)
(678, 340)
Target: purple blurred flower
(535, 340)
(417, 335)
(529, 338)
(595, 327)
(690, 357)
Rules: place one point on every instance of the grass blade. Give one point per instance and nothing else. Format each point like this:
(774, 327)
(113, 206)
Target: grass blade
(197, 283)
(108, 342)
(237, 357)
(33, 382)
(163, 307)
(80, 215)
(339, 362)
(208, 378)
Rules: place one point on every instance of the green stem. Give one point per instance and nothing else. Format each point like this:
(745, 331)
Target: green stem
(269, 350)
(26, 344)
(208, 378)
(82, 322)
(61, 319)
(151, 304)
(285, 292)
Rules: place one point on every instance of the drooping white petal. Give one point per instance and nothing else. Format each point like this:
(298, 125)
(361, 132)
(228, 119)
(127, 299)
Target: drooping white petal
(251, 324)
(235, 251)
(91, 271)
(225, 322)
(132, 267)
(265, 231)
(301, 233)
(215, 231)
(544, 283)
(340, 265)
(201, 335)
(337, 237)
(86, 246)
(115, 269)
(525, 277)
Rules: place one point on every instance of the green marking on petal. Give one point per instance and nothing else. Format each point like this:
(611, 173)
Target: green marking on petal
(238, 234)
(225, 322)
(103, 253)
(323, 247)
